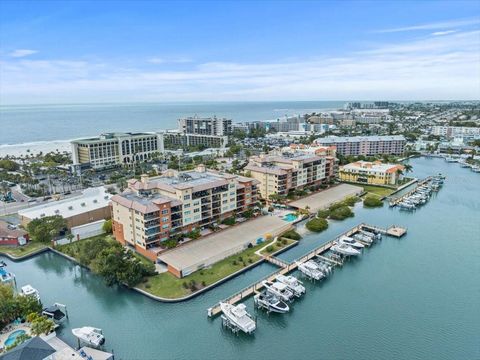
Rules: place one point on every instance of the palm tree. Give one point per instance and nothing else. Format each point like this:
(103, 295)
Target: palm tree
(408, 167)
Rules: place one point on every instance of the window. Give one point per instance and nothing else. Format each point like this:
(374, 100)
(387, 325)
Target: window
(165, 226)
(186, 197)
(165, 211)
(187, 212)
(165, 219)
(186, 206)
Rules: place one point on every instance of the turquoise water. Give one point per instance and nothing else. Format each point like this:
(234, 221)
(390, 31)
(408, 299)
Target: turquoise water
(25, 124)
(290, 217)
(411, 298)
(13, 336)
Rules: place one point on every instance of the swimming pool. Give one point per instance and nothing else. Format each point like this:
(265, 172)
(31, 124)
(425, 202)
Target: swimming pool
(13, 336)
(290, 217)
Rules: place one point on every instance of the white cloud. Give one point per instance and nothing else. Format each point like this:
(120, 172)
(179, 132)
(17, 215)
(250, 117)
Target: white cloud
(166, 60)
(441, 33)
(22, 53)
(433, 67)
(434, 26)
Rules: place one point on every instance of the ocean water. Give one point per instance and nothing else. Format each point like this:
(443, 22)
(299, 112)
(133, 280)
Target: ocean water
(37, 123)
(417, 297)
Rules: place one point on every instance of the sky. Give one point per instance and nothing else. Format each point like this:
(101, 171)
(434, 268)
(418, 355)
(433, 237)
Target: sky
(160, 51)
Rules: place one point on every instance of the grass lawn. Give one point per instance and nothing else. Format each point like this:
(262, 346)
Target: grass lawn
(72, 248)
(168, 286)
(277, 246)
(377, 190)
(18, 251)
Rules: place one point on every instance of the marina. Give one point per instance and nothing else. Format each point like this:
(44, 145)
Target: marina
(286, 268)
(409, 273)
(420, 195)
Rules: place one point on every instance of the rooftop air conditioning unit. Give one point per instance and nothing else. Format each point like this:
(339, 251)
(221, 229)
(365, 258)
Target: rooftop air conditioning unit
(83, 204)
(70, 208)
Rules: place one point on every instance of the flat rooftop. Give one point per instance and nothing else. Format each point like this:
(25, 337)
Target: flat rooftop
(220, 245)
(324, 199)
(352, 139)
(91, 199)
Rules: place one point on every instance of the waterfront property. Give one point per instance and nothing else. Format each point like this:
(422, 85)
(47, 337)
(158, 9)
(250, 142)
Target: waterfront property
(205, 126)
(112, 149)
(280, 174)
(91, 205)
(202, 253)
(174, 139)
(365, 145)
(12, 235)
(373, 173)
(154, 209)
(325, 198)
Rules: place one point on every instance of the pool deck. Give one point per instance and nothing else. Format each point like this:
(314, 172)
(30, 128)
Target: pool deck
(4, 335)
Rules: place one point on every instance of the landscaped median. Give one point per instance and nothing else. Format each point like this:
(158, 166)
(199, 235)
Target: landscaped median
(19, 252)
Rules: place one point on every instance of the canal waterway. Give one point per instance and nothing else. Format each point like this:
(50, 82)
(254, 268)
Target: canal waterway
(417, 297)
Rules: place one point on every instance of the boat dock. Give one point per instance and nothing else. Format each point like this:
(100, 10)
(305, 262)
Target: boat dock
(285, 268)
(396, 201)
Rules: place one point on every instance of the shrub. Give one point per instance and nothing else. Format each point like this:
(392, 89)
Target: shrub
(278, 244)
(372, 201)
(234, 262)
(148, 286)
(341, 213)
(284, 241)
(317, 225)
(291, 234)
(351, 200)
(269, 248)
(204, 283)
(323, 214)
(229, 221)
(107, 226)
(250, 260)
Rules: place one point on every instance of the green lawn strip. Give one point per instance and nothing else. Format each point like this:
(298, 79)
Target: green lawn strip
(276, 246)
(169, 286)
(18, 251)
(72, 248)
(377, 190)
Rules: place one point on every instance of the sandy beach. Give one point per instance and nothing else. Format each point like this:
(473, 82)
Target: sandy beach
(34, 148)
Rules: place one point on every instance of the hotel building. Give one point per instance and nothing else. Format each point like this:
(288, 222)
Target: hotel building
(177, 140)
(456, 131)
(375, 173)
(153, 209)
(205, 126)
(365, 145)
(115, 148)
(279, 174)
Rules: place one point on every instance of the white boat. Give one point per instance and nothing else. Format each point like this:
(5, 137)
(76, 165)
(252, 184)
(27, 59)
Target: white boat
(57, 313)
(239, 317)
(376, 236)
(475, 169)
(29, 290)
(363, 238)
(450, 159)
(270, 302)
(279, 289)
(293, 284)
(311, 270)
(5, 276)
(90, 335)
(350, 242)
(345, 250)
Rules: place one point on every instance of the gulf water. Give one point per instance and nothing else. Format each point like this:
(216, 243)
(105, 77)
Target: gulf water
(34, 123)
(417, 297)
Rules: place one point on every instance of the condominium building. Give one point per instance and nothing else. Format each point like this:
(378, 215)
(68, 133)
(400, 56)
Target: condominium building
(365, 145)
(178, 140)
(152, 209)
(278, 174)
(375, 173)
(115, 148)
(456, 131)
(205, 126)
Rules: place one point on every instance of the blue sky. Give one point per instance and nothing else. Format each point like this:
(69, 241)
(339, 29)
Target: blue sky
(74, 51)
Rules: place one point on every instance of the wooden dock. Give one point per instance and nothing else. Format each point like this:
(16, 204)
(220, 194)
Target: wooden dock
(286, 268)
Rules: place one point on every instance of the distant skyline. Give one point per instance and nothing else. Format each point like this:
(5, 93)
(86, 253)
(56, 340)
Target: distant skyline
(90, 52)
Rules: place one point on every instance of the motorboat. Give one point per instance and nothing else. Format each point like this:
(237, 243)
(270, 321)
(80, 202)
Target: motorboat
(476, 169)
(374, 235)
(239, 316)
(270, 302)
(279, 289)
(450, 159)
(350, 242)
(90, 335)
(363, 238)
(326, 269)
(345, 250)
(293, 284)
(57, 313)
(311, 270)
(5, 276)
(29, 290)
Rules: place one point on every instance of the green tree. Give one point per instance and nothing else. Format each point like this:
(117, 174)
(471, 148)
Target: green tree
(107, 226)
(46, 228)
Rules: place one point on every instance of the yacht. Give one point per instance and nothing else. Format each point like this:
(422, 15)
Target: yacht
(29, 290)
(293, 284)
(350, 242)
(239, 317)
(271, 302)
(326, 269)
(279, 289)
(57, 313)
(89, 335)
(345, 250)
(311, 270)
